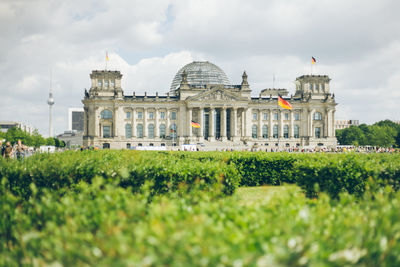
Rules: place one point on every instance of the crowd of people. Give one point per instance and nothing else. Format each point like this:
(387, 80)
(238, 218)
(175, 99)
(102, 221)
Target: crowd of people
(17, 151)
(20, 151)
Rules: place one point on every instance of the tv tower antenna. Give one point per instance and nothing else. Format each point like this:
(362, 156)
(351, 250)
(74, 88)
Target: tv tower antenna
(50, 102)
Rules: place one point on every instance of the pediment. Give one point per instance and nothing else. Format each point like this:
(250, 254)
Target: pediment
(217, 95)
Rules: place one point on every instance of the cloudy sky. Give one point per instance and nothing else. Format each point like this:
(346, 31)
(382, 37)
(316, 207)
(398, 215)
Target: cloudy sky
(355, 42)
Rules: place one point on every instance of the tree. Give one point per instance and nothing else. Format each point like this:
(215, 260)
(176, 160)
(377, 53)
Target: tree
(383, 136)
(50, 141)
(351, 136)
(37, 139)
(14, 134)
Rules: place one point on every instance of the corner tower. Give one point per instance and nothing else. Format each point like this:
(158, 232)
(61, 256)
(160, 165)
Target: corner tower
(106, 84)
(315, 85)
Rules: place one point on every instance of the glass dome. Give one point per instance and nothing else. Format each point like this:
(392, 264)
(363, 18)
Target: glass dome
(200, 73)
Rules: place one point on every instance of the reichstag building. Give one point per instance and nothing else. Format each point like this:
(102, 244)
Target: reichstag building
(204, 108)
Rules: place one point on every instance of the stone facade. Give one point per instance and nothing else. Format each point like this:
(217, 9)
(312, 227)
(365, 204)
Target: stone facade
(228, 115)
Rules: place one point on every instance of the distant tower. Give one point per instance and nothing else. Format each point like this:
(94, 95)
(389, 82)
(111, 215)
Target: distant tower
(50, 102)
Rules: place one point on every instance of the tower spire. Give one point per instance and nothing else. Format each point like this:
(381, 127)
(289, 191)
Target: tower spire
(50, 102)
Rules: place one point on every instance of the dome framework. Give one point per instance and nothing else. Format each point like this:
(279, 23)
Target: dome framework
(200, 73)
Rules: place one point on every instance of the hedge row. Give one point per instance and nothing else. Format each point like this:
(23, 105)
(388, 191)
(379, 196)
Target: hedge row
(127, 169)
(169, 171)
(100, 224)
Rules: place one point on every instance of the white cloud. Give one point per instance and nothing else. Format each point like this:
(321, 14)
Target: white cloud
(355, 43)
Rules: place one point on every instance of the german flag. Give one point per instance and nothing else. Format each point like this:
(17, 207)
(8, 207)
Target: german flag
(283, 103)
(313, 60)
(195, 124)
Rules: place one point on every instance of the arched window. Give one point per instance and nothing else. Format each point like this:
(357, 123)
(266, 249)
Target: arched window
(276, 131)
(128, 130)
(139, 130)
(317, 116)
(286, 131)
(162, 130)
(296, 131)
(254, 131)
(106, 114)
(265, 131)
(151, 130)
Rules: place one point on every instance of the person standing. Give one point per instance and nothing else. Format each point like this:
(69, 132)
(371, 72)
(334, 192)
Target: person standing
(20, 150)
(2, 148)
(8, 151)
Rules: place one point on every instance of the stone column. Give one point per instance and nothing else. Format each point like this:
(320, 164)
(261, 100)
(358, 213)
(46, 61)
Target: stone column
(310, 132)
(280, 114)
(326, 123)
(333, 132)
(144, 123)
(260, 124)
(243, 123)
(223, 124)
(133, 123)
(156, 128)
(233, 124)
(211, 124)
(270, 124)
(190, 131)
(291, 126)
(168, 125)
(95, 123)
(114, 128)
(248, 123)
(201, 121)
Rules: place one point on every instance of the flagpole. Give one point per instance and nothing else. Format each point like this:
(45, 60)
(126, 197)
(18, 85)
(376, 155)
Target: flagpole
(273, 81)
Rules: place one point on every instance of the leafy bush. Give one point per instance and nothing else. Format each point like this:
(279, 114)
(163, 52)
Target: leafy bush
(128, 168)
(101, 224)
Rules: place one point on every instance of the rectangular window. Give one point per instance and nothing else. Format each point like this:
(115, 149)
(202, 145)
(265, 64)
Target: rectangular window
(140, 115)
(151, 115)
(286, 116)
(296, 131)
(128, 115)
(112, 83)
(99, 83)
(275, 133)
(276, 116)
(173, 115)
(265, 116)
(105, 83)
(106, 131)
(162, 115)
(317, 132)
(254, 116)
(297, 116)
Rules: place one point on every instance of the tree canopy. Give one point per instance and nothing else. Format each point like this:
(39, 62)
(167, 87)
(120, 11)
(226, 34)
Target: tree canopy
(383, 133)
(35, 139)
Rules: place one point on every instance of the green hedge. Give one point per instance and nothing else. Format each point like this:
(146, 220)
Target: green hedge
(220, 171)
(126, 168)
(105, 225)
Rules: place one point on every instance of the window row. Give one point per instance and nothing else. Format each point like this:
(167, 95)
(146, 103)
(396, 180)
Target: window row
(151, 115)
(275, 132)
(276, 116)
(107, 114)
(150, 131)
(107, 83)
